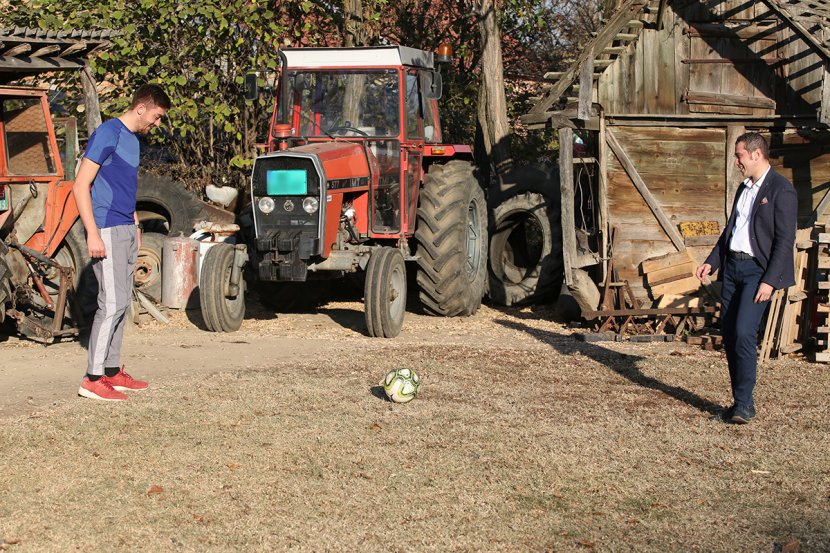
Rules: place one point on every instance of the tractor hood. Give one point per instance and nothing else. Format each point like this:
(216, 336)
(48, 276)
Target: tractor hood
(339, 160)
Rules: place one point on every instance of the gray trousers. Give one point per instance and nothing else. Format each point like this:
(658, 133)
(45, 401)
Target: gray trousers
(115, 292)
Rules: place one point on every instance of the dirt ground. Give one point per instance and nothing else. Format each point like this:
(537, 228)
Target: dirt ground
(277, 438)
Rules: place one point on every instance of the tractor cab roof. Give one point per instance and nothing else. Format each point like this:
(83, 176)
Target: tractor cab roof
(380, 56)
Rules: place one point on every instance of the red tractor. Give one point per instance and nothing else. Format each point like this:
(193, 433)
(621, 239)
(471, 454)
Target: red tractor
(356, 178)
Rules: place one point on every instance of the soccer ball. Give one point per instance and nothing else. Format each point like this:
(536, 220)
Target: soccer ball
(401, 385)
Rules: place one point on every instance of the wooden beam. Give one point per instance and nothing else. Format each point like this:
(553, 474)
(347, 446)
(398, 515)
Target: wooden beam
(733, 175)
(603, 39)
(604, 226)
(824, 108)
(651, 201)
(567, 219)
(660, 12)
(93, 109)
(713, 98)
(821, 208)
(586, 88)
(45, 51)
(809, 37)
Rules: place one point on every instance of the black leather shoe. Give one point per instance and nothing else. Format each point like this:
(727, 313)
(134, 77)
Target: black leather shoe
(726, 414)
(742, 415)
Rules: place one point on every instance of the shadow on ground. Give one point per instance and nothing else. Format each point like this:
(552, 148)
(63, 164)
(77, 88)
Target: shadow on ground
(620, 363)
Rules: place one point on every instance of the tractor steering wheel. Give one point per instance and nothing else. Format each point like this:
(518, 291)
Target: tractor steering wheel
(347, 128)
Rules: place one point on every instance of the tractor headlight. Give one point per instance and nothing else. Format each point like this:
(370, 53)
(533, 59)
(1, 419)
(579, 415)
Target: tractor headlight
(266, 205)
(311, 205)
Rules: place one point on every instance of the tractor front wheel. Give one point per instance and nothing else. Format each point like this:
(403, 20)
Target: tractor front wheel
(223, 307)
(385, 293)
(452, 240)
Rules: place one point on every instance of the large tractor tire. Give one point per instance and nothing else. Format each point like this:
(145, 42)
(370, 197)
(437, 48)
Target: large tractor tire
(526, 263)
(73, 253)
(167, 207)
(222, 308)
(384, 296)
(452, 240)
(5, 286)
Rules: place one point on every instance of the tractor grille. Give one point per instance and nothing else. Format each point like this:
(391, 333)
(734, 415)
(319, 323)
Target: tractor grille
(287, 237)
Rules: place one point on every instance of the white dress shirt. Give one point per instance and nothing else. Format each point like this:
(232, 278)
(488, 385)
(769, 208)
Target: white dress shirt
(740, 241)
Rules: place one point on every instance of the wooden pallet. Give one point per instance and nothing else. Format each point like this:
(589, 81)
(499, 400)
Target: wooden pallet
(789, 311)
(821, 290)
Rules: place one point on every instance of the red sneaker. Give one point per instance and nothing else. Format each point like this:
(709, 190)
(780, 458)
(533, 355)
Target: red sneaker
(100, 389)
(123, 381)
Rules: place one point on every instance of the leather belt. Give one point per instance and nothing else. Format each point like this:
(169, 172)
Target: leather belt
(740, 255)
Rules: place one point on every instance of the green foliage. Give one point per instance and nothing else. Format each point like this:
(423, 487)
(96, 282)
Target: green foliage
(197, 52)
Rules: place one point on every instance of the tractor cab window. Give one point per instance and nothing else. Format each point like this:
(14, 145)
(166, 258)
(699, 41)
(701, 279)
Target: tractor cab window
(413, 107)
(26, 137)
(345, 103)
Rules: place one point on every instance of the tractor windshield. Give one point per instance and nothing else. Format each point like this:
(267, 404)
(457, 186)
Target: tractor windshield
(345, 103)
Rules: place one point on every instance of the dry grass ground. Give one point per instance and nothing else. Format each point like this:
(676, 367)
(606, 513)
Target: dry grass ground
(523, 440)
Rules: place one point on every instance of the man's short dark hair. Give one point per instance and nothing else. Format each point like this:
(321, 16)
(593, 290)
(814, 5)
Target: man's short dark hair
(150, 94)
(754, 141)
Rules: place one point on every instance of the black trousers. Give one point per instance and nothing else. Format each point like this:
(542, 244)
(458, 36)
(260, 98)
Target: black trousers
(740, 319)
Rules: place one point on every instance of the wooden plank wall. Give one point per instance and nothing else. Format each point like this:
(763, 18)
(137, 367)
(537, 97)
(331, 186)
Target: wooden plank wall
(684, 170)
(767, 61)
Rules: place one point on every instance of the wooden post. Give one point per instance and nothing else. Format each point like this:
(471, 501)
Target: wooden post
(733, 175)
(651, 201)
(93, 109)
(567, 220)
(604, 226)
(586, 88)
(824, 109)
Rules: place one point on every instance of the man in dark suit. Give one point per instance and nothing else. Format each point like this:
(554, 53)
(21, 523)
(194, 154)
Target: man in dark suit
(755, 258)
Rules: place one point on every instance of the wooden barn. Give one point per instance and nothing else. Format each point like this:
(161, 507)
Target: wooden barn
(653, 105)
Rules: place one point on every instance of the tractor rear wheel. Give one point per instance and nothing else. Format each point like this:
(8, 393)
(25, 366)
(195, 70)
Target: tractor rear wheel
(385, 293)
(73, 253)
(222, 309)
(452, 240)
(5, 287)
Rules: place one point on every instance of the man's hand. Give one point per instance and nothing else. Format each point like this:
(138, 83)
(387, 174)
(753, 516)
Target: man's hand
(702, 273)
(96, 246)
(764, 292)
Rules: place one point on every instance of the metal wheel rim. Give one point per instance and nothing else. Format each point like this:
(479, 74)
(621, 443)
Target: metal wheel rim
(235, 303)
(147, 268)
(473, 240)
(397, 293)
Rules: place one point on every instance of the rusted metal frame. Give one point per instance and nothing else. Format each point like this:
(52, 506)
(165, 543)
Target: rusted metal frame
(651, 311)
(649, 198)
(603, 39)
(668, 319)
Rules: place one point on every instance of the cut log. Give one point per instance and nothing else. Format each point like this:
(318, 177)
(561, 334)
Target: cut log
(689, 284)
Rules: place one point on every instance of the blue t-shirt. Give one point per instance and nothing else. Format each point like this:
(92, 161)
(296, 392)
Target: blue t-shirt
(115, 148)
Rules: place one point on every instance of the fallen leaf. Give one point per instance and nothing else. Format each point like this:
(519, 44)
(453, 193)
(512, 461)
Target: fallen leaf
(234, 466)
(587, 543)
(11, 541)
(754, 471)
(154, 490)
(198, 518)
(375, 426)
(792, 547)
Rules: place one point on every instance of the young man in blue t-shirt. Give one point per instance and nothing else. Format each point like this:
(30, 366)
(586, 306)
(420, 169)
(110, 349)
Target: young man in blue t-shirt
(105, 192)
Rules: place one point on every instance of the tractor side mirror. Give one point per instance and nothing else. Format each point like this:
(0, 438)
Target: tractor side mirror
(433, 85)
(251, 86)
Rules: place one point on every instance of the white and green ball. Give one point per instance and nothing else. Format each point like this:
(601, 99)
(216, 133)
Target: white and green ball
(401, 385)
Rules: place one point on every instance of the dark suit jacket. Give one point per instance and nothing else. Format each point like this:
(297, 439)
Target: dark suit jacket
(771, 231)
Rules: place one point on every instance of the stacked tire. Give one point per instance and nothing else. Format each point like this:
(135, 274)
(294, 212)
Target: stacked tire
(526, 264)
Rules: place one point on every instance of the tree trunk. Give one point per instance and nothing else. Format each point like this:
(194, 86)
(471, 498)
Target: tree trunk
(492, 106)
(354, 33)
